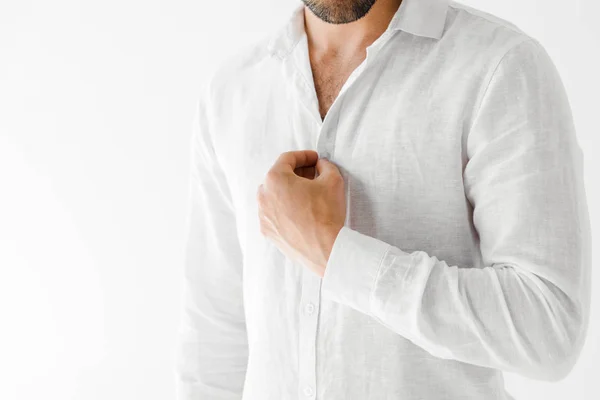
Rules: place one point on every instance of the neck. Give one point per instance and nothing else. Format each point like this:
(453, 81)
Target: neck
(345, 39)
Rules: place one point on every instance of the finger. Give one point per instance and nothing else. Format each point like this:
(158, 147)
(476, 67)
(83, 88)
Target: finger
(326, 168)
(305, 172)
(290, 160)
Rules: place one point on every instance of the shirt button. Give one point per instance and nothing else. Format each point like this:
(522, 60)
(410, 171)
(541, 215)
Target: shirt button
(308, 391)
(309, 308)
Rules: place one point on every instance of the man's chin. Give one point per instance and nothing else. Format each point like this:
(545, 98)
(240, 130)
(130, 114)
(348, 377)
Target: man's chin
(339, 11)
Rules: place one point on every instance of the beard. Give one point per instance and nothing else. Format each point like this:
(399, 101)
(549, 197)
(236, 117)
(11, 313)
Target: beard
(339, 11)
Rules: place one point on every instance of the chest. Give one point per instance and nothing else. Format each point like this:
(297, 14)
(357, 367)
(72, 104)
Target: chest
(329, 75)
(394, 135)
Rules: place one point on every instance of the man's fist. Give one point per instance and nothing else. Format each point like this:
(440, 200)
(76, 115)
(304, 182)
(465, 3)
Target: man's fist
(302, 214)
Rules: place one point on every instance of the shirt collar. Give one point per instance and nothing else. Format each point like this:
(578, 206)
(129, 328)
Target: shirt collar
(425, 18)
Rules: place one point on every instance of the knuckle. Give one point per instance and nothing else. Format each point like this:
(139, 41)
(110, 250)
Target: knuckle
(263, 229)
(271, 176)
(337, 179)
(283, 156)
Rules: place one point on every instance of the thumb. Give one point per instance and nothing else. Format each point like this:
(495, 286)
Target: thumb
(326, 168)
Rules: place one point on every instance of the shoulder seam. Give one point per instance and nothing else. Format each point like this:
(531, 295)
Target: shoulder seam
(459, 6)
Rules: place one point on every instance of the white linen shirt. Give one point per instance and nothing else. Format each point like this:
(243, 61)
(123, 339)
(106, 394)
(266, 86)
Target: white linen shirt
(465, 251)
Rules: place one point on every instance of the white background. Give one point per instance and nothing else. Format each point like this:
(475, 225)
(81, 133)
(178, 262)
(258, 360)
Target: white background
(96, 103)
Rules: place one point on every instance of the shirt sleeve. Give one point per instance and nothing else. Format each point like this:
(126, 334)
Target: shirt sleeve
(212, 348)
(526, 310)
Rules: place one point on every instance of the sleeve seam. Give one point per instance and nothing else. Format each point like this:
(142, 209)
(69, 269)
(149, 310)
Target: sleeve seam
(481, 97)
(206, 101)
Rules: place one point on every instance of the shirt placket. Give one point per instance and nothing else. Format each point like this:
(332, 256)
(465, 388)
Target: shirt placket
(297, 66)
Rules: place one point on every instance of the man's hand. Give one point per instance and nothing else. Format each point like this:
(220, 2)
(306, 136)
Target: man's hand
(302, 214)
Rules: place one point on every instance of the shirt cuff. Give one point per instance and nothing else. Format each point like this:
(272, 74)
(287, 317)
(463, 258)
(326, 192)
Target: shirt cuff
(352, 268)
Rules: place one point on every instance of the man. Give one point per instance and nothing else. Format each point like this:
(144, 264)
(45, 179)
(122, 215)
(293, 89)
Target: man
(387, 202)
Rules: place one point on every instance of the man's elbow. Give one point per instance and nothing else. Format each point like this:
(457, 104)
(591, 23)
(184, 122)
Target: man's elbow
(554, 370)
(563, 351)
